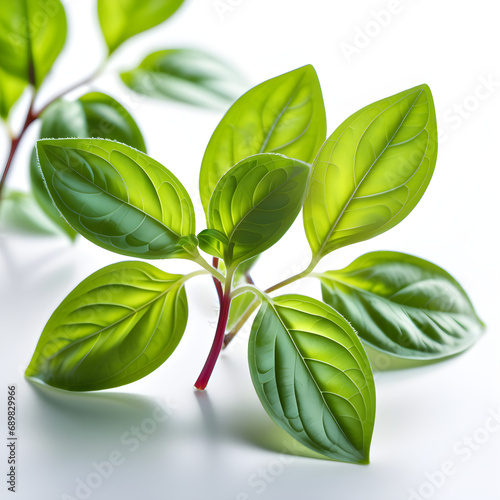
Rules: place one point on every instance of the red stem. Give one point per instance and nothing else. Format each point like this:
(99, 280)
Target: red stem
(217, 283)
(213, 355)
(30, 118)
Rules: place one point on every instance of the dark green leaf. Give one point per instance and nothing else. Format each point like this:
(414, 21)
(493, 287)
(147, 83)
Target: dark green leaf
(372, 171)
(186, 75)
(122, 19)
(117, 326)
(283, 115)
(32, 34)
(256, 202)
(403, 305)
(42, 197)
(92, 115)
(108, 119)
(64, 119)
(117, 197)
(313, 377)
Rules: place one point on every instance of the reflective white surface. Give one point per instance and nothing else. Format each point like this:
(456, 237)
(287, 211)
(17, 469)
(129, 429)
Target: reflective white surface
(220, 444)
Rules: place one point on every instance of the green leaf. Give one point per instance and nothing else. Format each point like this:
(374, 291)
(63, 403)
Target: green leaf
(213, 242)
(283, 115)
(20, 213)
(64, 119)
(313, 377)
(403, 305)
(372, 171)
(44, 201)
(32, 34)
(115, 327)
(122, 19)
(246, 265)
(11, 89)
(117, 197)
(186, 75)
(92, 115)
(256, 202)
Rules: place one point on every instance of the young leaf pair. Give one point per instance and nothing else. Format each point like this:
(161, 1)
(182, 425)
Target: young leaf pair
(306, 357)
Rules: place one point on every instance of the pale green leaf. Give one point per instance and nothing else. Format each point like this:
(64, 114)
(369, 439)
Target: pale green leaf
(122, 19)
(117, 326)
(372, 171)
(117, 197)
(403, 305)
(32, 34)
(283, 115)
(313, 377)
(11, 89)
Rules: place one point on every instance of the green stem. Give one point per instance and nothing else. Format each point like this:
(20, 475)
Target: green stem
(292, 279)
(193, 275)
(205, 265)
(253, 306)
(75, 86)
(247, 288)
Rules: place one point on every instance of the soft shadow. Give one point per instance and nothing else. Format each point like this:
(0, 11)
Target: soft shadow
(253, 426)
(95, 416)
(19, 267)
(208, 413)
(383, 362)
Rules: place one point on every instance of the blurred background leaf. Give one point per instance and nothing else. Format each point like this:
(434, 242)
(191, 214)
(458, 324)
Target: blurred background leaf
(186, 75)
(122, 19)
(92, 115)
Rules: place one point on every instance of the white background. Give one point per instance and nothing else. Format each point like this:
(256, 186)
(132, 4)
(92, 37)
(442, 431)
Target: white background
(221, 444)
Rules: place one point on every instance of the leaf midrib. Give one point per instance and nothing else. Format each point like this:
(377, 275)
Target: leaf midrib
(29, 48)
(121, 320)
(233, 231)
(282, 112)
(403, 306)
(317, 386)
(334, 226)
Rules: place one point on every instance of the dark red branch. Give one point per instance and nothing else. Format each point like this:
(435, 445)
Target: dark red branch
(217, 283)
(213, 355)
(30, 118)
